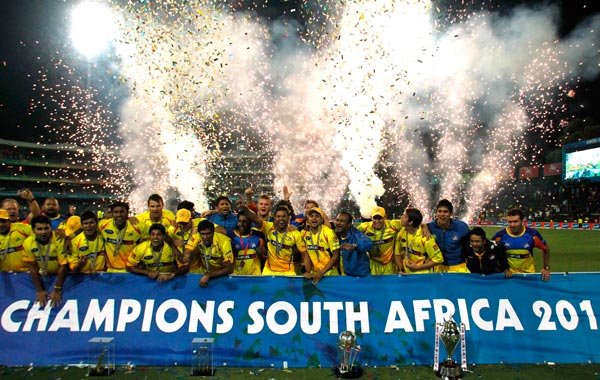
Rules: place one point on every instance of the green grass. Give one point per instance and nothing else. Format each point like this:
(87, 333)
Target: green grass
(489, 372)
(570, 251)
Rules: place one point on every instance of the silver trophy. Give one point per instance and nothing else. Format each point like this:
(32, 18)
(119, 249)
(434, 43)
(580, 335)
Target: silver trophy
(348, 351)
(448, 332)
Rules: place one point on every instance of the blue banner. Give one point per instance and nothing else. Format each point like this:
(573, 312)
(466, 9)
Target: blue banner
(264, 321)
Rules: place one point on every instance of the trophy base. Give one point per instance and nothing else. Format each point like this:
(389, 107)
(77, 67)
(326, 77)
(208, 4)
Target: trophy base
(354, 373)
(449, 371)
(203, 372)
(101, 372)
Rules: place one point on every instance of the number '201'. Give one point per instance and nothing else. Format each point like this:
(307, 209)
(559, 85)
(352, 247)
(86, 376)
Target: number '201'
(566, 314)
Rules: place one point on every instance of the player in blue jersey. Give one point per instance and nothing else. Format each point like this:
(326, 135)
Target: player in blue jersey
(248, 245)
(51, 209)
(450, 235)
(519, 242)
(354, 247)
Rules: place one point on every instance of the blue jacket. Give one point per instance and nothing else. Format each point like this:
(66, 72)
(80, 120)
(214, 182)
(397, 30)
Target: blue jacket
(356, 262)
(229, 221)
(451, 240)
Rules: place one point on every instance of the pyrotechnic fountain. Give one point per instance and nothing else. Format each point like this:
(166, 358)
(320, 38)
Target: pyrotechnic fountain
(330, 101)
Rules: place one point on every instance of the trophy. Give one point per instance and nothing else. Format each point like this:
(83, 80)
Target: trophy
(203, 357)
(450, 335)
(348, 350)
(101, 357)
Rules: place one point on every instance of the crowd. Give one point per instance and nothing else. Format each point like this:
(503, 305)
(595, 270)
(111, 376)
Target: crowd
(543, 200)
(258, 239)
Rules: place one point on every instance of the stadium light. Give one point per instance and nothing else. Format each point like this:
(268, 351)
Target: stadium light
(92, 28)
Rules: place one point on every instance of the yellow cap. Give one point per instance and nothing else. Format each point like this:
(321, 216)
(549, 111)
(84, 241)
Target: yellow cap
(318, 210)
(183, 215)
(378, 211)
(73, 224)
(3, 214)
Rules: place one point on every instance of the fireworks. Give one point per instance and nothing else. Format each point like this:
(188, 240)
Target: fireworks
(361, 85)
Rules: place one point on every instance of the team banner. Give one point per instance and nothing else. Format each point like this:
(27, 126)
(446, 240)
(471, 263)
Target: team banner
(263, 321)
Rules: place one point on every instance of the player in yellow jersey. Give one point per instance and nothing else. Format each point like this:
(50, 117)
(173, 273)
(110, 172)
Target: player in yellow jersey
(120, 237)
(382, 233)
(12, 236)
(281, 240)
(155, 214)
(211, 250)
(88, 253)
(322, 245)
(415, 253)
(184, 228)
(44, 254)
(154, 258)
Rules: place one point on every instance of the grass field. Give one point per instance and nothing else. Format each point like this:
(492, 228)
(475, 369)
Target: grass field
(570, 251)
(489, 372)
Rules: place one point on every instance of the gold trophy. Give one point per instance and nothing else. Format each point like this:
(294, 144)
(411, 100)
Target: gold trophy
(348, 350)
(448, 332)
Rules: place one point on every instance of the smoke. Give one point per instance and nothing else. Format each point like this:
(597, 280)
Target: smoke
(331, 103)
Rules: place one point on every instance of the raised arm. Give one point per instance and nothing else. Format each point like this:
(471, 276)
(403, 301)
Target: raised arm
(34, 207)
(243, 207)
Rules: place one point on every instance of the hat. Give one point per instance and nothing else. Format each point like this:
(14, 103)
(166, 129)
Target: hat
(378, 211)
(3, 214)
(316, 209)
(183, 215)
(73, 224)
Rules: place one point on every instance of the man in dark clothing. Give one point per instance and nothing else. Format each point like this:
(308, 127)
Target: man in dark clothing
(484, 256)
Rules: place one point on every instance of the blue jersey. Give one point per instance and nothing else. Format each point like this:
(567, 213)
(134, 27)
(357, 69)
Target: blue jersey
(355, 262)
(451, 240)
(245, 251)
(55, 223)
(519, 248)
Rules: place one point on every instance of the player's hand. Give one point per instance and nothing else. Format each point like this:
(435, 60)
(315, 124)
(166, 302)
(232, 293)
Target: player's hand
(42, 298)
(56, 298)
(204, 281)
(348, 246)
(165, 277)
(81, 264)
(262, 252)
(318, 277)
(152, 274)
(25, 194)
(507, 273)
(287, 194)
(425, 231)
(545, 274)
